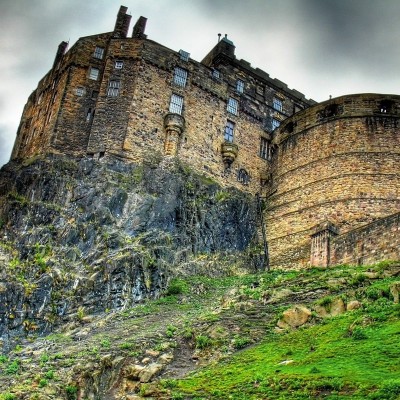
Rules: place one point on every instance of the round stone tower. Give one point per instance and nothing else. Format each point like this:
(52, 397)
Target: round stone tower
(335, 163)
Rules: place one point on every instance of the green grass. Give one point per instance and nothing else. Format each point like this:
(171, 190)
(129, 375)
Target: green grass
(349, 356)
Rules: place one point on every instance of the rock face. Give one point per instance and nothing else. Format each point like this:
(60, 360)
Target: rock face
(82, 236)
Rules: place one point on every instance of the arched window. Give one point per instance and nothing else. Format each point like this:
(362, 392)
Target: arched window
(243, 176)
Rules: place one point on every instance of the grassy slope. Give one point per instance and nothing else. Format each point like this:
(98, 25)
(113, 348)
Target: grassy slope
(228, 324)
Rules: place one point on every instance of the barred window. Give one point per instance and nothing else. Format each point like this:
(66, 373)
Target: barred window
(98, 53)
(277, 104)
(275, 123)
(229, 130)
(232, 106)
(239, 86)
(113, 88)
(180, 76)
(119, 64)
(176, 104)
(94, 73)
(264, 149)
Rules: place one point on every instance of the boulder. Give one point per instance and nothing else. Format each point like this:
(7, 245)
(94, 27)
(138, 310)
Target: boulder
(294, 317)
(395, 290)
(353, 305)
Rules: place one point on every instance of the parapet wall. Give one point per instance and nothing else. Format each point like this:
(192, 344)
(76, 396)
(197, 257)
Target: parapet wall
(375, 242)
(338, 161)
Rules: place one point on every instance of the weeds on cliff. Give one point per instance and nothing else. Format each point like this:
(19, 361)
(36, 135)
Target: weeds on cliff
(22, 200)
(203, 341)
(8, 396)
(170, 332)
(71, 392)
(12, 368)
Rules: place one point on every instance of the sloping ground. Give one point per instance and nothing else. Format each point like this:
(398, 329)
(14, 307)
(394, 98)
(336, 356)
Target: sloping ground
(217, 338)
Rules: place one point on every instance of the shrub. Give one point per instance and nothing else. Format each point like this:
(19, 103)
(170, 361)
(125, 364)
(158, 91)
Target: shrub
(43, 383)
(12, 368)
(177, 286)
(358, 334)
(240, 342)
(202, 341)
(49, 374)
(71, 391)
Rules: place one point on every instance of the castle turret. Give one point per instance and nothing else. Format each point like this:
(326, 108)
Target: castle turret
(224, 47)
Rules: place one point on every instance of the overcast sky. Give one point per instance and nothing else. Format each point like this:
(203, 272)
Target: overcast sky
(319, 47)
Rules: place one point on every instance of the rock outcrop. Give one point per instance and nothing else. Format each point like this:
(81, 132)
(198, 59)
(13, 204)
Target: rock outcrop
(83, 236)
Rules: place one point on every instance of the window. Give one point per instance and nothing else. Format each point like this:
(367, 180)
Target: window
(113, 88)
(98, 53)
(184, 55)
(243, 176)
(277, 104)
(275, 123)
(176, 104)
(239, 86)
(89, 115)
(80, 91)
(95, 94)
(119, 64)
(229, 129)
(216, 74)
(180, 76)
(260, 90)
(94, 73)
(232, 106)
(264, 149)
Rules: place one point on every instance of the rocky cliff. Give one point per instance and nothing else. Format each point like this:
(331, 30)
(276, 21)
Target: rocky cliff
(84, 236)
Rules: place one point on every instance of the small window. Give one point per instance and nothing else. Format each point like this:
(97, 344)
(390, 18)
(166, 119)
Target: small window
(180, 76)
(184, 55)
(98, 53)
(260, 90)
(119, 64)
(94, 73)
(89, 115)
(229, 130)
(277, 104)
(80, 91)
(264, 149)
(113, 88)
(239, 86)
(275, 123)
(176, 104)
(95, 94)
(216, 74)
(243, 176)
(232, 106)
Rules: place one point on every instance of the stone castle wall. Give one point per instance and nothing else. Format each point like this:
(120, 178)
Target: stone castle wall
(369, 244)
(81, 118)
(337, 162)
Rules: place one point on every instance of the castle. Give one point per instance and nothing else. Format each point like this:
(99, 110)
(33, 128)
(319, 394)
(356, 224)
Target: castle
(328, 172)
